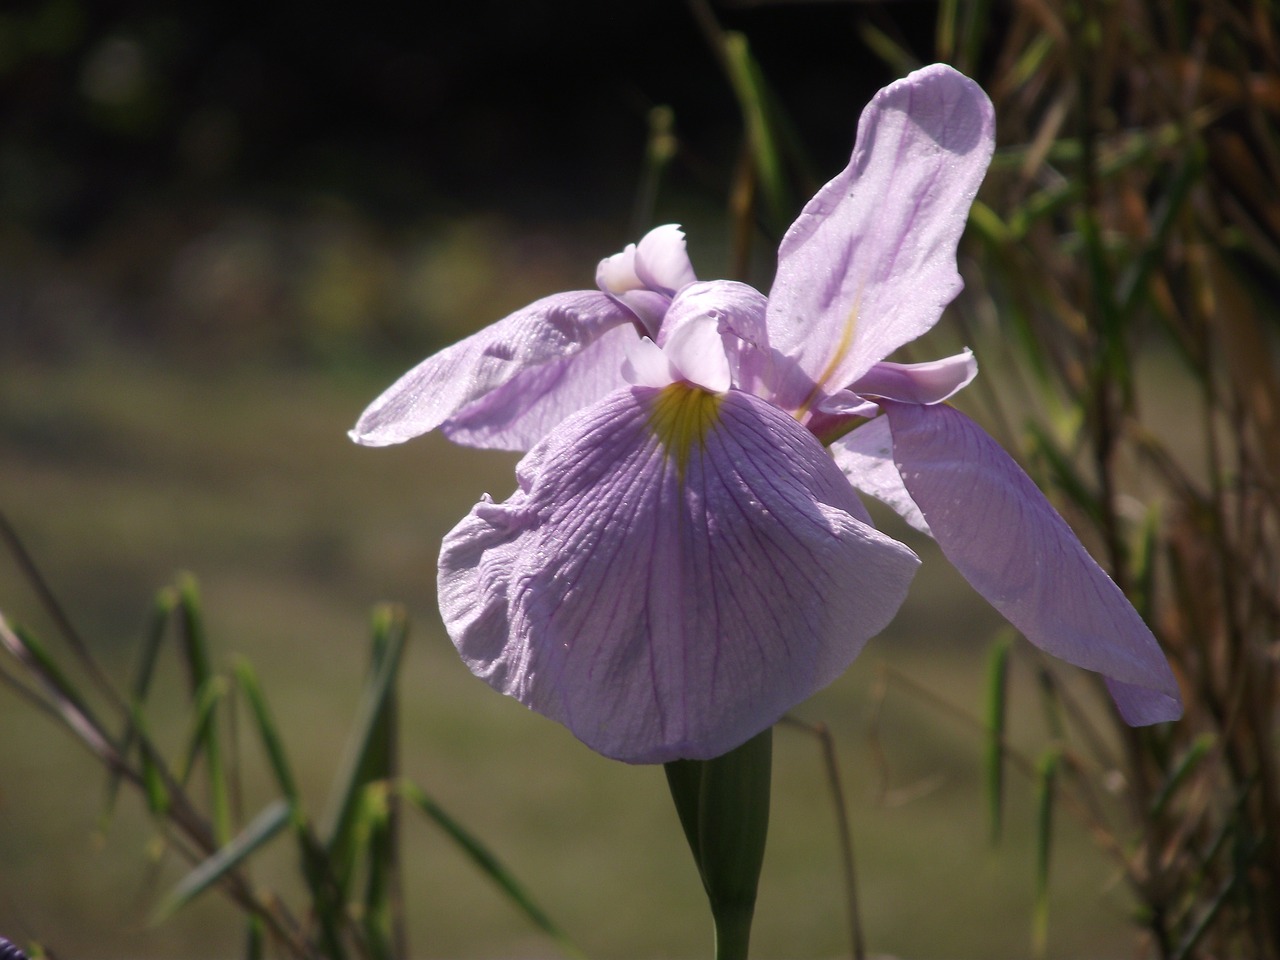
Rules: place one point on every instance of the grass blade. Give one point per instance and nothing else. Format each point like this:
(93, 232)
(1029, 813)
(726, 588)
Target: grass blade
(997, 711)
(162, 610)
(1046, 793)
(195, 648)
(489, 865)
(247, 680)
(749, 88)
(366, 759)
(1190, 761)
(274, 817)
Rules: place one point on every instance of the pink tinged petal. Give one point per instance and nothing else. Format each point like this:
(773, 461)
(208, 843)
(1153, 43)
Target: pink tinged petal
(738, 312)
(617, 274)
(662, 260)
(677, 570)
(846, 403)
(646, 275)
(696, 350)
(1000, 532)
(930, 382)
(866, 457)
(870, 263)
(525, 409)
(647, 365)
(548, 341)
(834, 415)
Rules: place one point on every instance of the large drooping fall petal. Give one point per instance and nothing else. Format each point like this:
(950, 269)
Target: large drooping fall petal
(1004, 537)
(677, 569)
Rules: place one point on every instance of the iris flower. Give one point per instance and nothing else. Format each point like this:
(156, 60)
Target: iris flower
(683, 560)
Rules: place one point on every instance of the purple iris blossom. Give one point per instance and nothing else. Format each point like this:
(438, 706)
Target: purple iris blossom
(683, 561)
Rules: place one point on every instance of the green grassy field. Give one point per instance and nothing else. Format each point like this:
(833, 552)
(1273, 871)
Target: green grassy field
(120, 471)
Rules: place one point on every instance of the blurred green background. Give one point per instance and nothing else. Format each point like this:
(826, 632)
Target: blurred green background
(224, 228)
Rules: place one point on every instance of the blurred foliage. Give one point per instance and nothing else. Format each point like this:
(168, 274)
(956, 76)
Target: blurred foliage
(350, 863)
(1127, 239)
(1133, 213)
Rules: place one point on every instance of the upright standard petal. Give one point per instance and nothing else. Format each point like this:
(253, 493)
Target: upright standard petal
(540, 354)
(677, 569)
(870, 263)
(1005, 538)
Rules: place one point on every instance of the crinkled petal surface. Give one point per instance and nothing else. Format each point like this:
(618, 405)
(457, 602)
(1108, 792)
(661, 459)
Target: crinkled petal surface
(870, 263)
(1000, 532)
(677, 570)
(542, 356)
(527, 407)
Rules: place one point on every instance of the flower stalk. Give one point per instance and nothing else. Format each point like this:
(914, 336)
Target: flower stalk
(723, 806)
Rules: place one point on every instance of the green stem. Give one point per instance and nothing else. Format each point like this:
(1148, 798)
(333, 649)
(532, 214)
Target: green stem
(733, 932)
(723, 804)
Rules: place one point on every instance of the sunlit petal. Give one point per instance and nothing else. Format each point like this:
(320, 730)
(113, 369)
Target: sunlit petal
(930, 382)
(1000, 532)
(697, 351)
(738, 311)
(548, 341)
(526, 408)
(678, 569)
(647, 365)
(870, 263)
(662, 261)
(866, 457)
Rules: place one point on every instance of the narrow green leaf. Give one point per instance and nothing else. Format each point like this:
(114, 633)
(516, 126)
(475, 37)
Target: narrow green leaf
(898, 58)
(1187, 947)
(1032, 57)
(973, 35)
(162, 609)
(39, 661)
(327, 904)
(660, 149)
(997, 711)
(254, 940)
(1046, 792)
(262, 828)
(989, 224)
(376, 832)
(1143, 562)
(1133, 283)
(1195, 753)
(195, 643)
(195, 648)
(271, 742)
(58, 694)
(749, 88)
(206, 699)
(488, 864)
(684, 781)
(1051, 703)
(366, 758)
(947, 29)
(153, 780)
